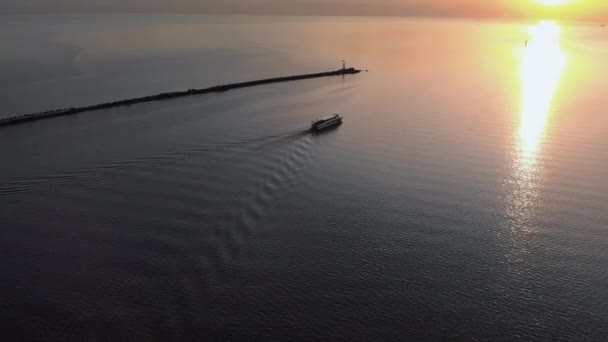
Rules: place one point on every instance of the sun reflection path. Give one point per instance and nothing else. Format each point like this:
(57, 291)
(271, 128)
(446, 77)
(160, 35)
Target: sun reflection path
(542, 64)
(541, 67)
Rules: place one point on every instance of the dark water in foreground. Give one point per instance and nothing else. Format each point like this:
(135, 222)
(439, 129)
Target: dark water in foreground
(464, 197)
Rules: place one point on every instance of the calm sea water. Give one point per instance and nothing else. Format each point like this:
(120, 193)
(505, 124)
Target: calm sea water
(465, 196)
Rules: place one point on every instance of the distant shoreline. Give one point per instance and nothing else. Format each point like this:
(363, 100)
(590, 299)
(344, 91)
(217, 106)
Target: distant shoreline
(397, 15)
(171, 95)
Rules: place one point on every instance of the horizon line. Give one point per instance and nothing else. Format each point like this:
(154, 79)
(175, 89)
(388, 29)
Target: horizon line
(375, 15)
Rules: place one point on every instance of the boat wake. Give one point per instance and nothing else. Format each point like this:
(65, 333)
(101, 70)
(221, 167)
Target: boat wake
(232, 234)
(102, 175)
(219, 196)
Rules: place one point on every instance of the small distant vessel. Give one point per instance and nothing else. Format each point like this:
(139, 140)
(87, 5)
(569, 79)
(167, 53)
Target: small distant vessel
(325, 123)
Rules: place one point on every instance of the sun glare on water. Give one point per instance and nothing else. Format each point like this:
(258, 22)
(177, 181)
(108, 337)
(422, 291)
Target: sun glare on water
(542, 63)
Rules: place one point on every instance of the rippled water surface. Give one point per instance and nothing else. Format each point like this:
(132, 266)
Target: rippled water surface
(465, 196)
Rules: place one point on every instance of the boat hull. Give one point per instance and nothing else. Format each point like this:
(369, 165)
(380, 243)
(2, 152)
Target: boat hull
(326, 127)
(328, 123)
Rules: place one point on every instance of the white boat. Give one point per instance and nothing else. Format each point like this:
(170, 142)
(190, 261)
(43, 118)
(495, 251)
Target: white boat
(325, 123)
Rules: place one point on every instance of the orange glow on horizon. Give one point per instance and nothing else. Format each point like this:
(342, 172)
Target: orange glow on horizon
(554, 2)
(560, 9)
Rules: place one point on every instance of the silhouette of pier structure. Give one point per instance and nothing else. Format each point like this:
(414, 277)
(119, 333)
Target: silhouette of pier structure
(171, 95)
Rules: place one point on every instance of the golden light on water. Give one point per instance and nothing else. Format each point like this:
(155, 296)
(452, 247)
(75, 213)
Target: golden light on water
(542, 63)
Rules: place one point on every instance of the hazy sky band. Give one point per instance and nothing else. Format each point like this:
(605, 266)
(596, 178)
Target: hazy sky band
(582, 9)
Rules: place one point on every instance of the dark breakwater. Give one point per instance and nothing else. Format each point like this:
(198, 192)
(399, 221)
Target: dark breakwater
(165, 96)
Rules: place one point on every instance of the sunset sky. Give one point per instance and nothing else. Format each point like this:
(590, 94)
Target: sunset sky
(557, 9)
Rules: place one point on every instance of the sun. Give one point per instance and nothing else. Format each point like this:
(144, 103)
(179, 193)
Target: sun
(554, 2)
